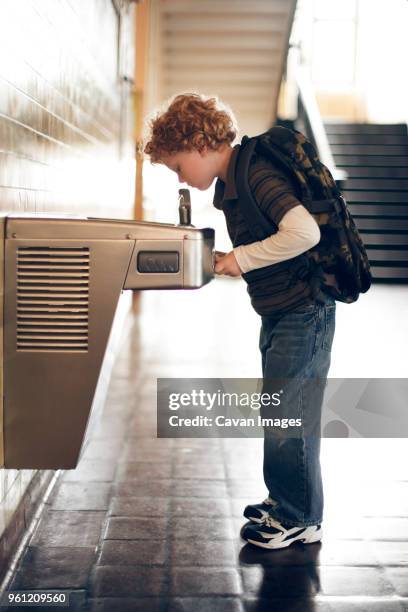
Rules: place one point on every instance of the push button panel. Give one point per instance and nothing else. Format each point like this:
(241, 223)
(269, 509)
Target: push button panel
(165, 263)
(158, 262)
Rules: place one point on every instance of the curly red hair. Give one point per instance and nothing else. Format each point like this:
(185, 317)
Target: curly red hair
(191, 122)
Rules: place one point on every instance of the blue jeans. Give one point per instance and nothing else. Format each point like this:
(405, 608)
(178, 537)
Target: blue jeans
(296, 349)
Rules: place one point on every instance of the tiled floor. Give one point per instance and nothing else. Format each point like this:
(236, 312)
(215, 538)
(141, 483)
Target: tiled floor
(153, 524)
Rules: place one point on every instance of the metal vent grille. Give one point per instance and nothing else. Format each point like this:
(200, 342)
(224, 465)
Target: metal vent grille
(52, 298)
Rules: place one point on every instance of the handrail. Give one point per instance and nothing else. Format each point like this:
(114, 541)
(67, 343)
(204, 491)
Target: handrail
(309, 103)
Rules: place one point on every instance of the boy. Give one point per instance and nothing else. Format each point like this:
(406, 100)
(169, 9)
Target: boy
(193, 137)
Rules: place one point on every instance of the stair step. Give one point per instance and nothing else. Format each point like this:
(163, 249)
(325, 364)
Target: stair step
(365, 128)
(370, 184)
(232, 42)
(390, 172)
(216, 78)
(370, 150)
(217, 73)
(384, 239)
(196, 59)
(387, 255)
(396, 225)
(231, 93)
(371, 160)
(379, 210)
(211, 7)
(387, 273)
(376, 196)
(368, 139)
(223, 23)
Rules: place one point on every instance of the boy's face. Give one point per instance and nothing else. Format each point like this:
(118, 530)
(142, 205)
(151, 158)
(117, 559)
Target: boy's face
(195, 168)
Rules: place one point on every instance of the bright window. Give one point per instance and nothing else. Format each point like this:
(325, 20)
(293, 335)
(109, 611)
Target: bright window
(334, 44)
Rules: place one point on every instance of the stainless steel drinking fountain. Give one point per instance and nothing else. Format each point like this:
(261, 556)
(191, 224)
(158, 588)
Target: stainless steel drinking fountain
(63, 276)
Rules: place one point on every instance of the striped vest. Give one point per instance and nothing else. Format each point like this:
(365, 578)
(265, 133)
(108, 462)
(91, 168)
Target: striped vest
(275, 289)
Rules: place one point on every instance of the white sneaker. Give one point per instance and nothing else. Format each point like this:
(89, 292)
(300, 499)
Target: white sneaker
(257, 513)
(272, 534)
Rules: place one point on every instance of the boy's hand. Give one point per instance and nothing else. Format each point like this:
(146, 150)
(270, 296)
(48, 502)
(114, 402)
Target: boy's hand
(225, 263)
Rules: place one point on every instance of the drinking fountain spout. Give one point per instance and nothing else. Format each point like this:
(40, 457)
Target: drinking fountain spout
(185, 207)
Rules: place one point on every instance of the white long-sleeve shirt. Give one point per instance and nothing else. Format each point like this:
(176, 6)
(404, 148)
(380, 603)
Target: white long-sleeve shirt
(297, 232)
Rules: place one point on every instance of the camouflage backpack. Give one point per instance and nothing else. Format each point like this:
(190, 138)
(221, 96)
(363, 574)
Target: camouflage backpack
(338, 265)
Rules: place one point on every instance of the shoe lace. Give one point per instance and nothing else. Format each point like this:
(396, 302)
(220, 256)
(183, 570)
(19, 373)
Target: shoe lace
(268, 501)
(271, 522)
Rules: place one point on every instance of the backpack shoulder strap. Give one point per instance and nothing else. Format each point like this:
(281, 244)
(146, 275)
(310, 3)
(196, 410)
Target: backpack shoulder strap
(257, 223)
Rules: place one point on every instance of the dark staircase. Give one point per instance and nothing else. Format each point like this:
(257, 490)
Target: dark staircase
(375, 158)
